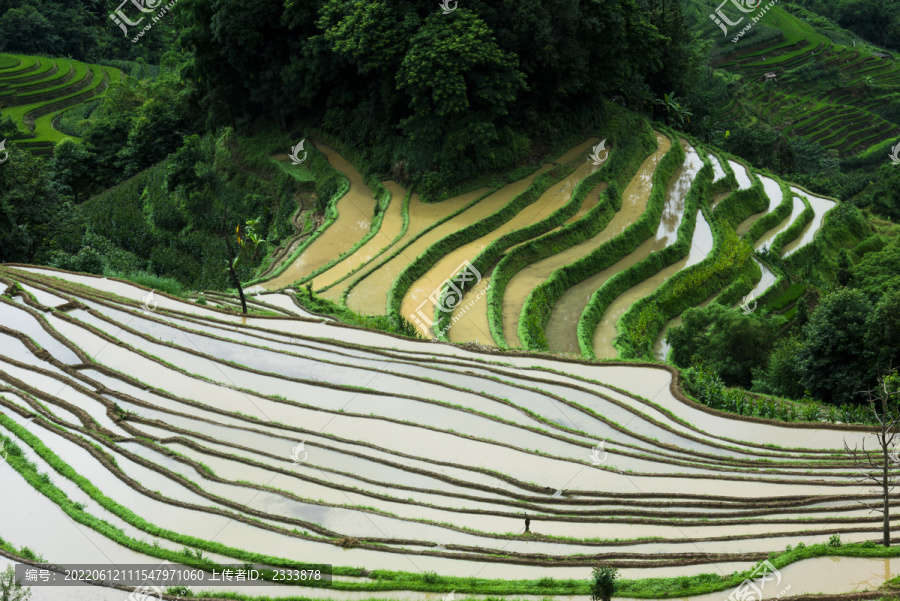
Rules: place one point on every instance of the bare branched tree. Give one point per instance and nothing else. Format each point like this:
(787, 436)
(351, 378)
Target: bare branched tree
(875, 467)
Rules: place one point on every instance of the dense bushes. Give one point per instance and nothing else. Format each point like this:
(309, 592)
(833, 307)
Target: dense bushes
(170, 220)
(645, 319)
(440, 99)
(741, 204)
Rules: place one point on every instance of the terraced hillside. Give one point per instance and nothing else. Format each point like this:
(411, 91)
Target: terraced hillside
(137, 425)
(592, 254)
(801, 83)
(34, 91)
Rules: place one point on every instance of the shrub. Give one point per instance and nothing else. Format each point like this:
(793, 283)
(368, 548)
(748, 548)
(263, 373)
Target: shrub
(834, 540)
(603, 583)
(10, 588)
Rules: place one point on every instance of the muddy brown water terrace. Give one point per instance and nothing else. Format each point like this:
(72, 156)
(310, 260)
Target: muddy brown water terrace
(634, 202)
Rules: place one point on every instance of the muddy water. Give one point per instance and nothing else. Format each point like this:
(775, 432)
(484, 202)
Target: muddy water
(129, 291)
(820, 206)
(740, 173)
(562, 326)
(355, 211)
(634, 201)
(717, 199)
(767, 238)
(590, 201)
(773, 192)
(654, 385)
(419, 301)
(369, 297)
(606, 329)
(471, 320)
(651, 383)
(390, 228)
(421, 216)
(661, 347)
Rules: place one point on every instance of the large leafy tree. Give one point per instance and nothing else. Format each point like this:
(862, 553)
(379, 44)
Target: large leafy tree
(460, 84)
(728, 341)
(443, 96)
(835, 360)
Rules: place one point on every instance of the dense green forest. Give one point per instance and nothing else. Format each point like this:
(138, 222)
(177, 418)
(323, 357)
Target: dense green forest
(155, 175)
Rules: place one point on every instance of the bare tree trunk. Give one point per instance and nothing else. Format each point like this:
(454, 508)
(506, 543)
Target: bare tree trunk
(237, 283)
(886, 494)
(883, 407)
(234, 276)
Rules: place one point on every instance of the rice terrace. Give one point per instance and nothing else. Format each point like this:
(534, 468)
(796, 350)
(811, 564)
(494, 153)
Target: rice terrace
(377, 300)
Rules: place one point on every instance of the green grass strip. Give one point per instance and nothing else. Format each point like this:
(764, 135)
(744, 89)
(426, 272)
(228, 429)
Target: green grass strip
(642, 323)
(795, 228)
(43, 485)
(656, 262)
(400, 249)
(404, 228)
(381, 580)
(630, 150)
(65, 67)
(539, 304)
(778, 214)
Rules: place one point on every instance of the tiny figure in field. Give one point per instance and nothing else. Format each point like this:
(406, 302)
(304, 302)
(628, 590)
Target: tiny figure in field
(527, 524)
